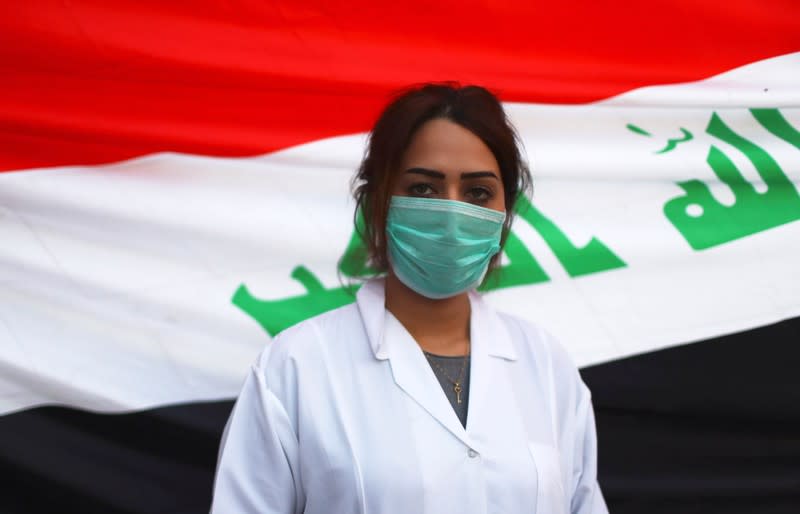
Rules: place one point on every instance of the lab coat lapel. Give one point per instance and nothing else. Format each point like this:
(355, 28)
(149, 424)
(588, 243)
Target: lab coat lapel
(410, 369)
(491, 350)
(414, 375)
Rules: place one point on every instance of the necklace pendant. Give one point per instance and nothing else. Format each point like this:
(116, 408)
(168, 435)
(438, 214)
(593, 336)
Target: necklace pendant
(457, 389)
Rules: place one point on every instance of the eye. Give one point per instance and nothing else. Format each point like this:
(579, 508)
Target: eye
(421, 189)
(479, 194)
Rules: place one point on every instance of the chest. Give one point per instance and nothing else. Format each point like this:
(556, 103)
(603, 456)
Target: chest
(381, 448)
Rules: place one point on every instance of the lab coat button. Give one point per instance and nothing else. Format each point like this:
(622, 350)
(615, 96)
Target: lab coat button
(472, 453)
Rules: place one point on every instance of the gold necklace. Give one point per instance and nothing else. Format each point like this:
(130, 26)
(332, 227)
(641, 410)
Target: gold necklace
(456, 383)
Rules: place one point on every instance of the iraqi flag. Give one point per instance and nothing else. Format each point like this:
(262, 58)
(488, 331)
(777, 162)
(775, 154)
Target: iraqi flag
(176, 192)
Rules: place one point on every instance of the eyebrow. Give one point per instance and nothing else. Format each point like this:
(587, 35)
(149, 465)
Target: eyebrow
(439, 175)
(479, 174)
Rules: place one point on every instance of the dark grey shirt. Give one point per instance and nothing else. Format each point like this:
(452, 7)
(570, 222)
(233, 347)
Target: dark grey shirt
(452, 366)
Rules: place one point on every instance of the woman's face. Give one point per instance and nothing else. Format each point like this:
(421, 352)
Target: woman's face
(447, 161)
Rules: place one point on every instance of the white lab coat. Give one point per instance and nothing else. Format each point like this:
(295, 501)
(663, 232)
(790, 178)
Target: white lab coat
(343, 414)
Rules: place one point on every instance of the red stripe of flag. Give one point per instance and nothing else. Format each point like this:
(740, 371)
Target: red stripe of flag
(96, 81)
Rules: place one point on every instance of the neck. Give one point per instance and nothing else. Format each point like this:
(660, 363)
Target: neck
(439, 326)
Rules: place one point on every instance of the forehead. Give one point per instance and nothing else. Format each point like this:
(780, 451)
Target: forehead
(443, 145)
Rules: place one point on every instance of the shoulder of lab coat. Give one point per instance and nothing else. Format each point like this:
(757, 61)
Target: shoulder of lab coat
(571, 412)
(263, 426)
(258, 431)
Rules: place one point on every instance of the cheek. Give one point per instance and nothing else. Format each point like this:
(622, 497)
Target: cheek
(396, 185)
(499, 202)
(398, 188)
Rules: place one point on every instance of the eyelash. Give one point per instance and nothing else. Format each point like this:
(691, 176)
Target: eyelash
(413, 189)
(477, 194)
(485, 194)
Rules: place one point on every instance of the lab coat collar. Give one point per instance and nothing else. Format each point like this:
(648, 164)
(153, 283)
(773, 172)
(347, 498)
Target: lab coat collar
(491, 346)
(488, 334)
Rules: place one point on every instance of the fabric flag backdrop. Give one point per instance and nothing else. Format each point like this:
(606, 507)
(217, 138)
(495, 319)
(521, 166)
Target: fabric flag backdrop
(177, 192)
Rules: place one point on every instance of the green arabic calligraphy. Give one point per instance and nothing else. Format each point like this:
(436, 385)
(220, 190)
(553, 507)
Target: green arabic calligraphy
(521, 269)
(672, 143)
(704, 222)
(276, 315)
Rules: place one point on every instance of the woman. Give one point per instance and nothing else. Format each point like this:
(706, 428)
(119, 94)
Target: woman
(419, 398)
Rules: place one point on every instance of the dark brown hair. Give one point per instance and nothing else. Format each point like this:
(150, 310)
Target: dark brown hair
(472, 107)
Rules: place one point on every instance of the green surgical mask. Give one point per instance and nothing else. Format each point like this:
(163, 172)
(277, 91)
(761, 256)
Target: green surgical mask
(440, 248)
